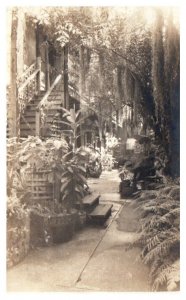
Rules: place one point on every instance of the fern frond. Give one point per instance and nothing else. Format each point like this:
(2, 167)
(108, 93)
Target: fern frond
(151, 223)
(169, 275)
(140, 241)
(156, 264)
(146, 203)
(153, 242)
(168, 204)
(162, 249)
(173, 278)
(161, 279)
(172, 214)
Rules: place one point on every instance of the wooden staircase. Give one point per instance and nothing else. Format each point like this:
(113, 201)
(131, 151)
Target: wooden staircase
(28, 119)
(96, 213)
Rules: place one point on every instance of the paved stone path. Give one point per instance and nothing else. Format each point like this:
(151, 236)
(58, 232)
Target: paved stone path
(95, 260)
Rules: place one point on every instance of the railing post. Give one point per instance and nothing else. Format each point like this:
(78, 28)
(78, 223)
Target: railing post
(38, 57)
(38, 76)
(47, 68)
(56, 187)
(38, 123)
(14, 106)
(65, 78)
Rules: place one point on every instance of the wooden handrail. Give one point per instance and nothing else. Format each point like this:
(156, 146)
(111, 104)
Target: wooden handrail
(28, 80)
(45, 98)
(27, 71)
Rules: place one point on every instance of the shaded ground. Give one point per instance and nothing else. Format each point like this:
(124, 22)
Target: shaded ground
(95, 260)
(127, 220)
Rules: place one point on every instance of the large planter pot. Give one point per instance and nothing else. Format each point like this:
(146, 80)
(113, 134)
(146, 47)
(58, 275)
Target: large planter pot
(40, 234)
(52, 228)
(126, 190)
(18, 239)
(81, 221)
(63, 227)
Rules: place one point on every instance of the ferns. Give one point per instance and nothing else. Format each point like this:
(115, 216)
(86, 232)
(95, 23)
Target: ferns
(169, 275)
(153, 242)
(159, 236)
(161, 249)
(160, 279)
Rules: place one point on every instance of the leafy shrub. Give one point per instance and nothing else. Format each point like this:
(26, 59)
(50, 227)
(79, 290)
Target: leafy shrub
(17, 231)
(73, 179)
(15, 208)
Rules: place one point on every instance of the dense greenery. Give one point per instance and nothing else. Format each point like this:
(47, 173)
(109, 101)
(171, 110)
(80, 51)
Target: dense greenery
(137, 64)
(159, 235)
(122, 61)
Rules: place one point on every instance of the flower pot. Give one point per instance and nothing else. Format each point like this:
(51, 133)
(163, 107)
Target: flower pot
(126, 182)
(52, 228)
(40, 233)
(64, 228)
(126, 190)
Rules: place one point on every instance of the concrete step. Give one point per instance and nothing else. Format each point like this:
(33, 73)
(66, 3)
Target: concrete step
(90, 202)
(100, 214)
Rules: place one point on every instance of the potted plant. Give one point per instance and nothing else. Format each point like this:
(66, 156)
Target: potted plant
(73, 181)
(126, 186)
(27, 159)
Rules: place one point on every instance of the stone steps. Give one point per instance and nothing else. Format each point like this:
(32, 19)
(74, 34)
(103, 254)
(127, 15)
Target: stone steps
(96, 213)
(100, 214)
(28, 123)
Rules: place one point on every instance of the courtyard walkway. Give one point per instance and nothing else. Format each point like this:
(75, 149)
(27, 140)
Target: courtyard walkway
(94, 260)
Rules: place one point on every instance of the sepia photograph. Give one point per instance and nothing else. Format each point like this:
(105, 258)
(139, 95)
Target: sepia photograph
(93, 148)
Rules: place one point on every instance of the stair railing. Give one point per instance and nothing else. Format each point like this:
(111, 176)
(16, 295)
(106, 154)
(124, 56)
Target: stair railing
(43, 103)
(28, 84)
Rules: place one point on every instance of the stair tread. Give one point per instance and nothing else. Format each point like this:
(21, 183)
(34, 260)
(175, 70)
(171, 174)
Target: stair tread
(29, 116)
(90, 199)
(101, 210)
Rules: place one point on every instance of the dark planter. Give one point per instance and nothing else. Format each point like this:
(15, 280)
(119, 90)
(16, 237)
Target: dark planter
(51, 228)
(126, 189)
(63, 228)
(40, 234)
(126, 182)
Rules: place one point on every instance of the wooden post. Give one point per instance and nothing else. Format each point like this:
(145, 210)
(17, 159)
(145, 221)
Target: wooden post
(38, 77)
(110, 119)
(60, 67)
(85, 138)
(117, 121)
(47, 68)
(66, 94)
(14, 107)
(81, 86)
(56, 188)
(38, 60)
(37, 123)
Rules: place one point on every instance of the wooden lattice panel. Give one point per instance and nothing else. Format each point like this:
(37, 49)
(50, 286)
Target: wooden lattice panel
(42, 191)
